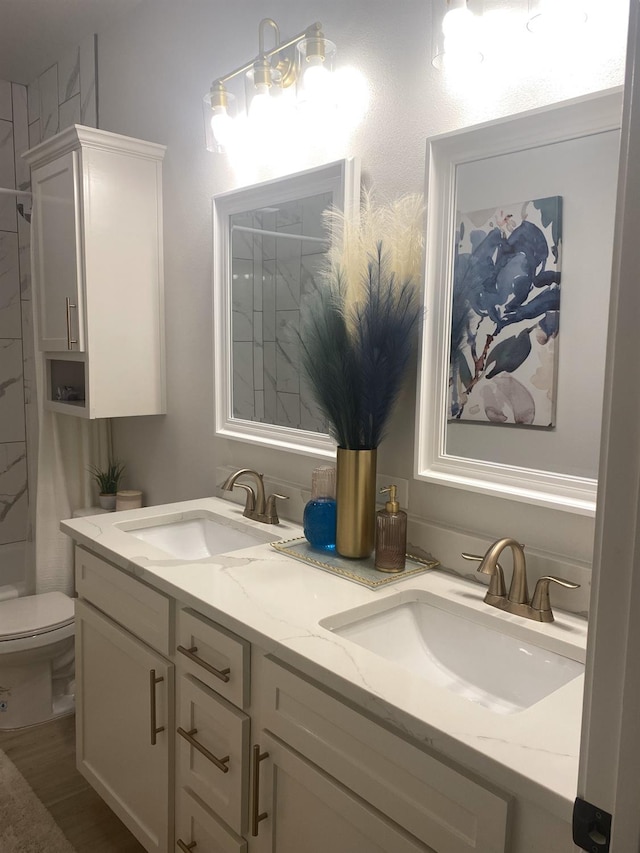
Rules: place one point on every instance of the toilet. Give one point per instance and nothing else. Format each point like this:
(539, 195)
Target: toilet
(36, 659)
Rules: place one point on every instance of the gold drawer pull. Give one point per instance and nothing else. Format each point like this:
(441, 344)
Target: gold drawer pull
(153, 680)
(222, 674)
(186, 847)
(220, 763)
(255, 789)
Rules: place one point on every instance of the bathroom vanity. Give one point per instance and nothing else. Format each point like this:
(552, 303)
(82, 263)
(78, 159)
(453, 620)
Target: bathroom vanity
(227, 703)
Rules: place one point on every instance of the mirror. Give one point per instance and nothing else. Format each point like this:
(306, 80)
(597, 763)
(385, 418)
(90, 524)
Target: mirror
(269, 243)
(511, 374)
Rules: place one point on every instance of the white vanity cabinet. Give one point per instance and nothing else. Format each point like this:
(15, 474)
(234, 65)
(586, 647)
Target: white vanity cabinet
(125, 698)
(328, 778)
(213, 736)
(98, 272)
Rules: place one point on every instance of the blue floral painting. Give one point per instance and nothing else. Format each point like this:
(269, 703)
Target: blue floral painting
(506, 314)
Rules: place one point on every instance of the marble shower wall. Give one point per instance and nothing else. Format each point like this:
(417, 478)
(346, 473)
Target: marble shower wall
(63, 94)
(272, 278)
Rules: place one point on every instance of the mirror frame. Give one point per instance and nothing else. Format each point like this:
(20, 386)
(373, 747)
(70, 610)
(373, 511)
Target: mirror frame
(342, 178)
(561, 122)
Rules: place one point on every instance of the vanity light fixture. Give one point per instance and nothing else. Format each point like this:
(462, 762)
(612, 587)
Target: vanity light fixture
(305, 60)
(456, 34)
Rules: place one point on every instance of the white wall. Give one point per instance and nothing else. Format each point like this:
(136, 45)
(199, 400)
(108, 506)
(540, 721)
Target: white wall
(153, 70)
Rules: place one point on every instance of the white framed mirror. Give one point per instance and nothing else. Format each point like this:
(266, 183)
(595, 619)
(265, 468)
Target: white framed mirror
(269, 243)
(510, 389)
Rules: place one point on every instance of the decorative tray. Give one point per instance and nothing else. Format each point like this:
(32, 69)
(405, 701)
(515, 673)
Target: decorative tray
(359, 571)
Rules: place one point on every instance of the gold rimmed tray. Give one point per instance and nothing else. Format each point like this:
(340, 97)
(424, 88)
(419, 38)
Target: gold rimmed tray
(358, 571)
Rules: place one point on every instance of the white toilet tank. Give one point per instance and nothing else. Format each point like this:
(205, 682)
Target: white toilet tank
(36, 659)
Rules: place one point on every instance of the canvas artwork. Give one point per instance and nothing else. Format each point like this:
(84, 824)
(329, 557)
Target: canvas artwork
(506, 313)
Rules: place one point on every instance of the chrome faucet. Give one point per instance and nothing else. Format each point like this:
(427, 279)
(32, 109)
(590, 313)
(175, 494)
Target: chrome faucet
(517, 600)
(256, 506)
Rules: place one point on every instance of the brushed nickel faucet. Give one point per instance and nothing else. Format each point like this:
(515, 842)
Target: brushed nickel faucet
(256, 506)
(517, 600)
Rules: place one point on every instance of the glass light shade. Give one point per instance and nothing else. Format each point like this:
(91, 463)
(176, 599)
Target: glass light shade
(456, 34)
(315, 66)
(555, 17)
(219, 121)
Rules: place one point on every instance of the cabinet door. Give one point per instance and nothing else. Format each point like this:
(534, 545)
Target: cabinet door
(57, 256)
(124, 695)
(303, 810)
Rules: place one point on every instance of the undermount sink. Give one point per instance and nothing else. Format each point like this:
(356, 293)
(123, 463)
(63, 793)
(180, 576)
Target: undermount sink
(193, 536)
(456, 647)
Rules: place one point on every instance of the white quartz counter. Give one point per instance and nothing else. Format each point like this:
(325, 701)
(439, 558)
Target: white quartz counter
(278, 603)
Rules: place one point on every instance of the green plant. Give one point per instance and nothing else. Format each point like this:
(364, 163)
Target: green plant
(108, 479)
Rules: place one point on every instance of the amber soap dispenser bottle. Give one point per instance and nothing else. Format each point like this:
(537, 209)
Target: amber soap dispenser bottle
(391, 534)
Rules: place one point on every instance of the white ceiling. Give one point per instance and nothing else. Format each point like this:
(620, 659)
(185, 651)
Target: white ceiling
(35, 33)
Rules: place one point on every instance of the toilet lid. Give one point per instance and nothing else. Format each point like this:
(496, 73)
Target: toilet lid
(34, 614)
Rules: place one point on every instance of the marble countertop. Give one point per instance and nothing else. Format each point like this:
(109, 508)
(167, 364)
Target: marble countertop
(278, 603)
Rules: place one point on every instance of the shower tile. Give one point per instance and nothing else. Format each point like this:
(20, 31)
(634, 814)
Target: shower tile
(312, 220)
(35, 137)
(69, 112)
(11, 391)
(310, 414)
(243, 391)
(5, 101)
(288, 412)
(33, 100)
(268, 301)
(288, 352)
(242, 300)
(69, 75)
(28, 359)
(8, 220)
(270, 398)
(88, 83)
(288, 284)
(10, 323)
(258, 355)
(259, 406)
(13, 492)
(24, 256)
(20, 136)
(241, 244)
(48, 85)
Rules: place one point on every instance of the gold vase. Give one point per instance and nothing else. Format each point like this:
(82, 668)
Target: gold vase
(356, 502)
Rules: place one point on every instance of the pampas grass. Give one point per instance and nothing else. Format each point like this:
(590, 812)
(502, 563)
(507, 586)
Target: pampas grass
(359, 333)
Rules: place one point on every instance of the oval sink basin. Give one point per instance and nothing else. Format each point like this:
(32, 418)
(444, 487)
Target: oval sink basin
(197, 535)
(494, 669)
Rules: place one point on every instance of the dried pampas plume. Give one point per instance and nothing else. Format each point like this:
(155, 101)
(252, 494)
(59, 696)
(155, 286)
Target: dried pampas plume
(399, 224)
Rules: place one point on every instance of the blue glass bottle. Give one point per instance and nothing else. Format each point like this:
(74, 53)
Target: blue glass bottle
(319, 519)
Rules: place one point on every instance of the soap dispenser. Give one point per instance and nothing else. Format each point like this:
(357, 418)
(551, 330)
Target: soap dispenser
(319, 519)
(391, 534)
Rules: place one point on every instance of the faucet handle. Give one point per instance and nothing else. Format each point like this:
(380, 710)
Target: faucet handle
(271, 513)
(541, 603)
(496, 584)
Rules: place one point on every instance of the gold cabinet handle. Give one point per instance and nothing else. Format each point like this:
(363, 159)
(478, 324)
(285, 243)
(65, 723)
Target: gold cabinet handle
(155, 729)
(257, 816)
(186, 847)
(220, 763)
(69, 306)
(222, 674)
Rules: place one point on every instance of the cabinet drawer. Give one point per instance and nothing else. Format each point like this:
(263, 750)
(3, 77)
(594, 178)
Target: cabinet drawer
(139, 608)
(196, 826)
(441, 807)
(213, 751)
(214, 655)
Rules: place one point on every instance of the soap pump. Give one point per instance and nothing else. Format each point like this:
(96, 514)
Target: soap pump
(391, 534)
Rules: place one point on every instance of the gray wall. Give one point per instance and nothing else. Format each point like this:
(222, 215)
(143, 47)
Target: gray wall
(154, 69)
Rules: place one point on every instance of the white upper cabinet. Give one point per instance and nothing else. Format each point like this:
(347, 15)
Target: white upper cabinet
(98, 272)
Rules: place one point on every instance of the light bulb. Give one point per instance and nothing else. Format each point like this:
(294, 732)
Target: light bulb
(317, 80)
(260, 106)
(222, 126)
(460, 28)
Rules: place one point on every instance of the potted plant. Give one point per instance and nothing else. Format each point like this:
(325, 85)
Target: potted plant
(108, 481)
(357, 338)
